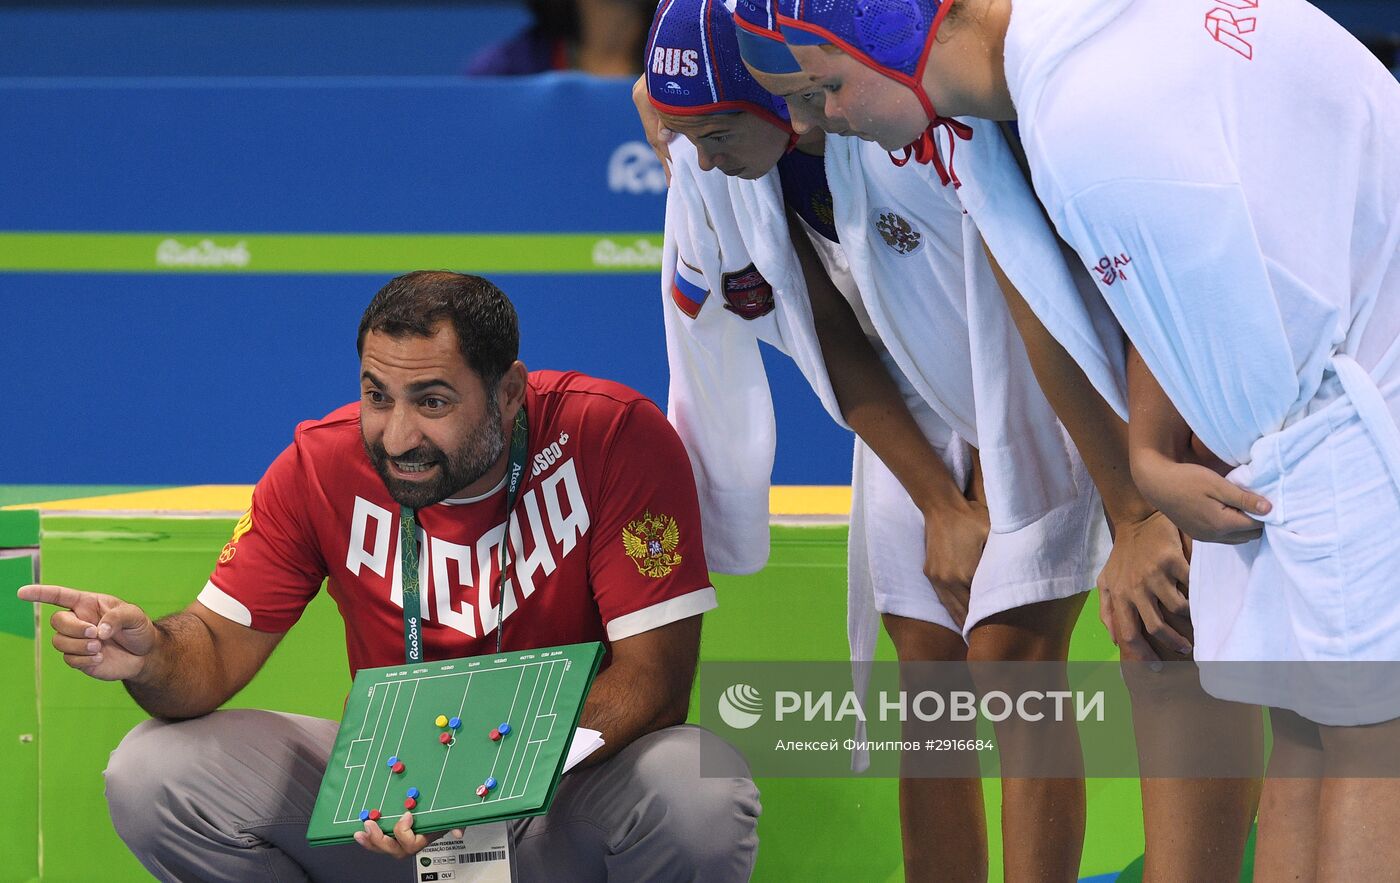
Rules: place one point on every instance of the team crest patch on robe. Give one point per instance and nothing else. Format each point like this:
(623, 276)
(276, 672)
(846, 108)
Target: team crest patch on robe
(651, 543)
(244, 525)
(747, 293)
(897, 232)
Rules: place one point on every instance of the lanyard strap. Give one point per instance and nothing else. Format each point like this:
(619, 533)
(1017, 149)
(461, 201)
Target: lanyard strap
(408, 547)
(515, 477)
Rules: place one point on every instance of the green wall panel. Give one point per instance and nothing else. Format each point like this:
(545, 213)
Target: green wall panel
(19, 726)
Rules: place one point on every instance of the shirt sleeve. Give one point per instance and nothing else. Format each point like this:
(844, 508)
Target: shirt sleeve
(271, 568)
(647, 561)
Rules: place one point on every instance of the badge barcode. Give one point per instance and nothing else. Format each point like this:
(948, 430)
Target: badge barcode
(493, 855)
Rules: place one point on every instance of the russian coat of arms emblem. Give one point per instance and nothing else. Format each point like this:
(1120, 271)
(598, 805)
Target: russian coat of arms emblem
(651, 541)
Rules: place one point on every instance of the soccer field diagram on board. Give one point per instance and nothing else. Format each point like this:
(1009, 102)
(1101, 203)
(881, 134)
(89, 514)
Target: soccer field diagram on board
(458, 742)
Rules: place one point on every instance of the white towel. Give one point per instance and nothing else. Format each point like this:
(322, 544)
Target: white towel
(1234, 189)
(719, 400)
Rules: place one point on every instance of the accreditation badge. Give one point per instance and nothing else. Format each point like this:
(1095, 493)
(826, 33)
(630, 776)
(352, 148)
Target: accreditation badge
(483, 855)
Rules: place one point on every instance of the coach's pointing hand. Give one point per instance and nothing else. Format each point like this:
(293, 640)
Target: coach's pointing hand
(99, 635)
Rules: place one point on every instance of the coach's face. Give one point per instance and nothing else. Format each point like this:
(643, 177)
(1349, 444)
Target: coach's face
(429, 424)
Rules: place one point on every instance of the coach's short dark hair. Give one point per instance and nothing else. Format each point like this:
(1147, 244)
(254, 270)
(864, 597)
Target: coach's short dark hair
(412, 305)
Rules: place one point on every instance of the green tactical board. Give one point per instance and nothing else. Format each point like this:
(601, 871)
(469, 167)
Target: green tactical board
(392, 713)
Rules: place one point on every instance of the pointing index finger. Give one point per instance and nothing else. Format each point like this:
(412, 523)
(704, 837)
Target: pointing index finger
(44, 594)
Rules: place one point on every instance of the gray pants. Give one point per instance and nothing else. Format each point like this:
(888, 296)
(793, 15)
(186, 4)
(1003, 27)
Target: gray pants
(228, 796)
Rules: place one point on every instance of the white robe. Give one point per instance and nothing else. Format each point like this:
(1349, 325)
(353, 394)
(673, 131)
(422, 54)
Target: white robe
(920, 270)
(1234, 189)
(1001, 204)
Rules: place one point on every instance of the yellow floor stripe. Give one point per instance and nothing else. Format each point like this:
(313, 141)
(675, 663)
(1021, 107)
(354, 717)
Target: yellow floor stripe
(785, 500)
(197, 498)
(810, 499)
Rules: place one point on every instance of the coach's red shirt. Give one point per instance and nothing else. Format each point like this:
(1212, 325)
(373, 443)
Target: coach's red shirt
(605, 536)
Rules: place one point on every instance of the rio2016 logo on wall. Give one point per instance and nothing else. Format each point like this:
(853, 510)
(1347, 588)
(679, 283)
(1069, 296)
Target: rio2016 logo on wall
(205, 253)
(635, 169)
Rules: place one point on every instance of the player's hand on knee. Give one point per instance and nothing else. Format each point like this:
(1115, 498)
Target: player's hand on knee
(1124, 629)
(657, 135)
(953, 544)
(1144, 581)
(955, 600)
(99, 635)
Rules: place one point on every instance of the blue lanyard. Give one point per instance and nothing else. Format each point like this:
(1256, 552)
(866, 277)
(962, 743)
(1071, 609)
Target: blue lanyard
(408, 546)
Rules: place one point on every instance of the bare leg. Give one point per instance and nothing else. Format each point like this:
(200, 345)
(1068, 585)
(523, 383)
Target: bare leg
(942, 820)
(1359, 818)
(1288, 809)
(1042, 819)
(1196, 828)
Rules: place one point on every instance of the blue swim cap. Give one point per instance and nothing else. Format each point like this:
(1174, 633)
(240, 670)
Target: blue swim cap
(893, 38)
(693, 66)
(760, 41)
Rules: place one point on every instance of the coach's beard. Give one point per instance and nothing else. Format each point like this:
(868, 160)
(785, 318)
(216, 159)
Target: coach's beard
(456, 471)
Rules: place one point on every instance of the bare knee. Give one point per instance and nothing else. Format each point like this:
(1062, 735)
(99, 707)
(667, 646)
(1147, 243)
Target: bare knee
(1158, 684)
(918, 641)
(1032, 633)
(1367, 751)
